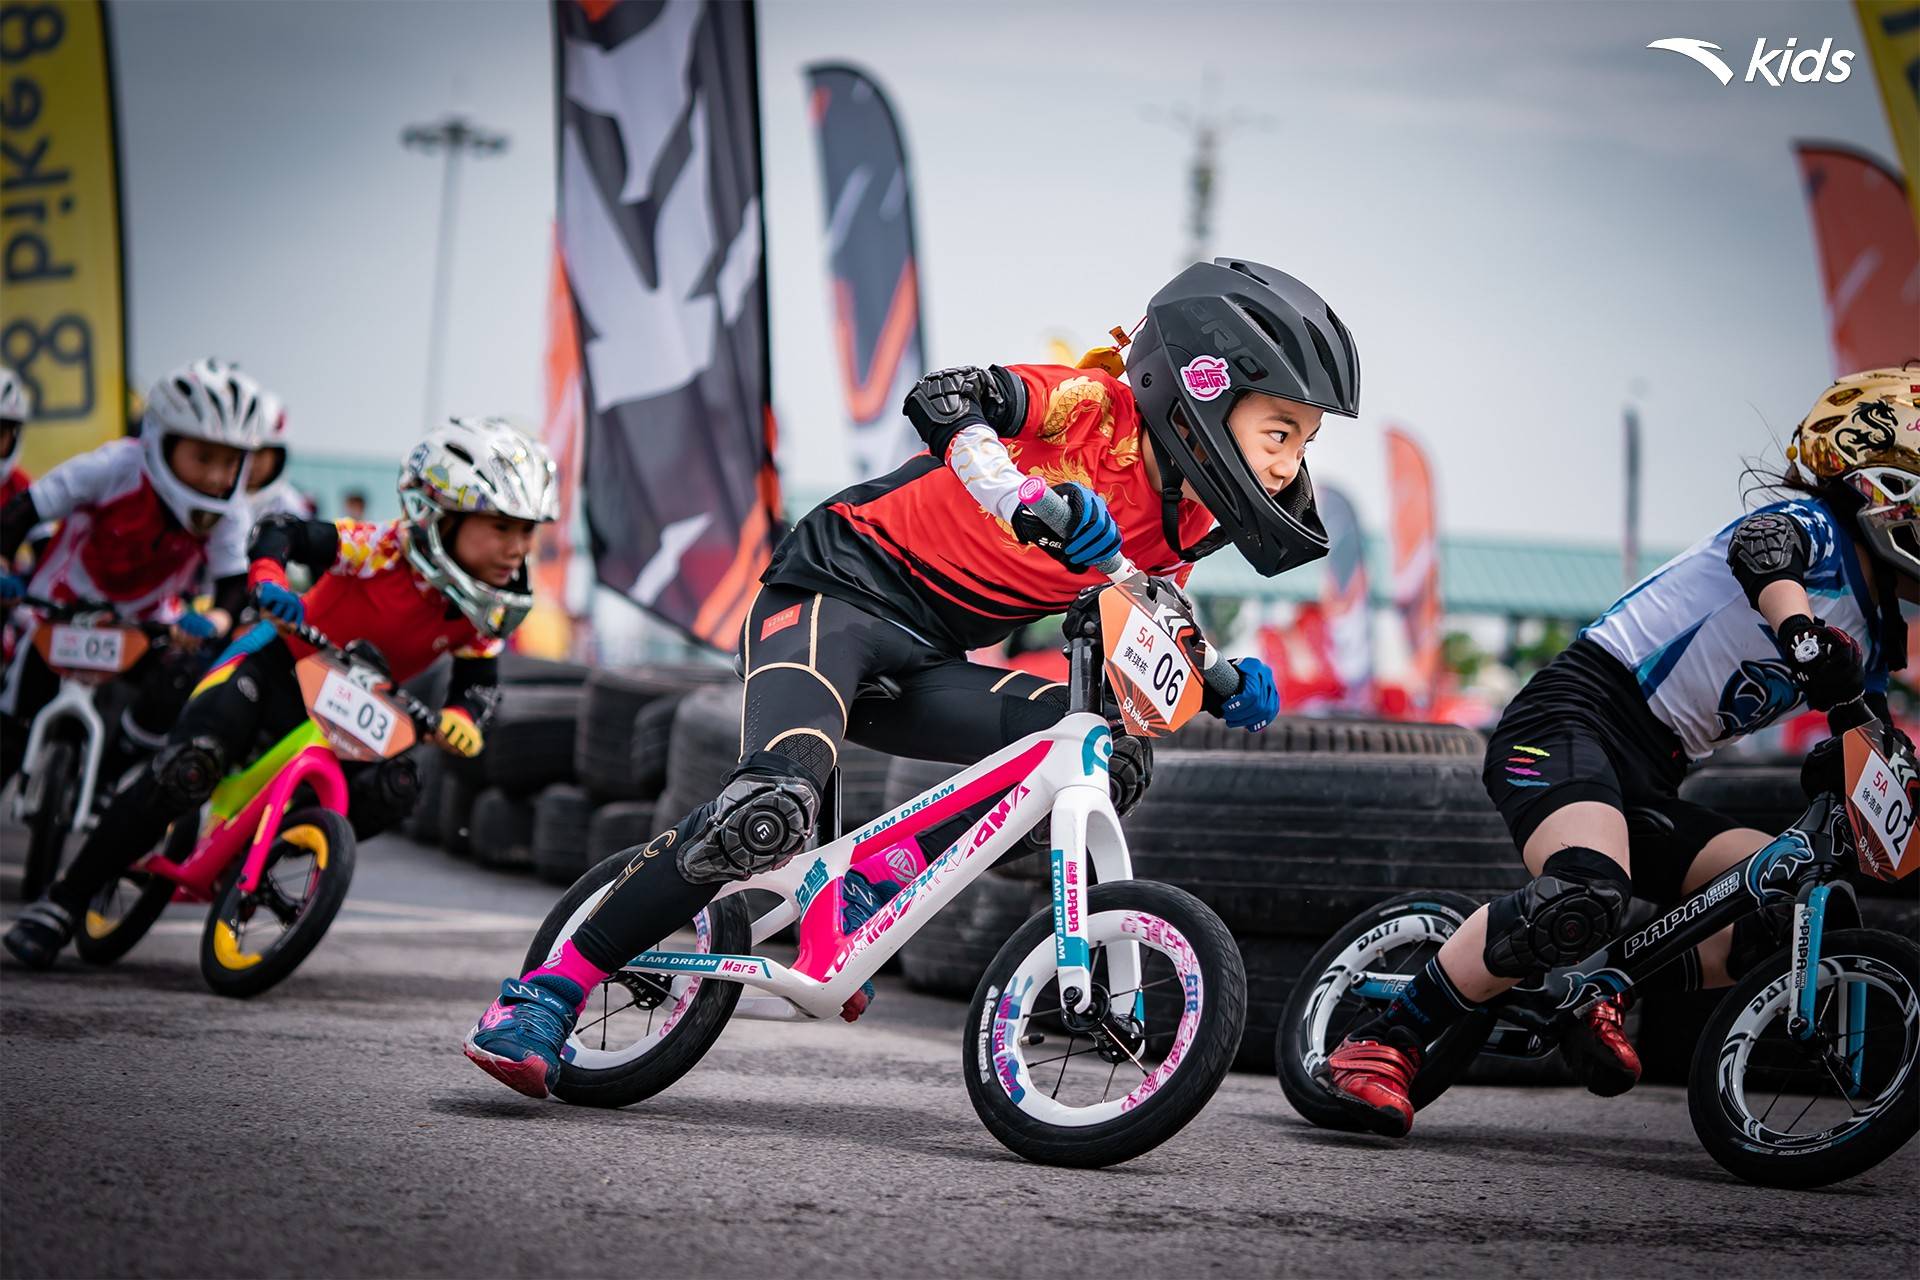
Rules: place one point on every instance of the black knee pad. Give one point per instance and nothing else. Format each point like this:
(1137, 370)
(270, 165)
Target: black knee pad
(759, 821)
(1129, 772)
(185, 774)
(382, 795)
(1575, 906)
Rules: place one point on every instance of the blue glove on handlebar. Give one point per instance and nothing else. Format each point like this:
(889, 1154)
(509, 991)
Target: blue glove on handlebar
(1257, 703)
(197, 625)
(1092, 534)
(276, 600)
(11, 588)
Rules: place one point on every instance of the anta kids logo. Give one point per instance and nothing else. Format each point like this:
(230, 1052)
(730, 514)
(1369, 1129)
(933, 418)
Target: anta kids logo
(1769, 65)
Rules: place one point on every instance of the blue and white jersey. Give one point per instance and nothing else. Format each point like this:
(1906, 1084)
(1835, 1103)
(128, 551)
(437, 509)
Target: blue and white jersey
(1706, 661)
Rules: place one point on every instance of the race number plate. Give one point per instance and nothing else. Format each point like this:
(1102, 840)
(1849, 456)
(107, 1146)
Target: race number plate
(87, 648)
(1881, 798)
(363, 715)
(1147, 668)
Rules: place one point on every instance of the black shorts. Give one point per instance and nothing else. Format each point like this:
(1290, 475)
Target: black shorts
(1580, 730)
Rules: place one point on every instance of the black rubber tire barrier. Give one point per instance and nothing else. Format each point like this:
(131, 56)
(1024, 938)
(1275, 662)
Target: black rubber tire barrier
(1292, 846)
(521, 668)
(502, 831)
(617, 826)
(560, 817)
(652, 740)
(952, 950)
(1310, 735)
(529, 742)
(602, 749)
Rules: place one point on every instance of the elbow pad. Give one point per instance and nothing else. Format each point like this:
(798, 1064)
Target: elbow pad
(1766, 548)
(946, 400)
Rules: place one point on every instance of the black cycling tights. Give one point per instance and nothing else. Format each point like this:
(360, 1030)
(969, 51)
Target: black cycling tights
(805, 657)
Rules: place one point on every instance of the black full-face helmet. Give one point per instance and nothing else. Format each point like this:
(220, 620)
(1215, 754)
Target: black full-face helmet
(1218, 331)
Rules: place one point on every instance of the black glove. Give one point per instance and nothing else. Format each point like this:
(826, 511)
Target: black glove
(1825, 661)
(948, 399)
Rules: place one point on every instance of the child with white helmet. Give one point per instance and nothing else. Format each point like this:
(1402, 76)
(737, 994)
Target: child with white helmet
(14, 412)
(448, 577)
(143, 523)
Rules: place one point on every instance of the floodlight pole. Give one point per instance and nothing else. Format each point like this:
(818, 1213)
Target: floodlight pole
(451, 136)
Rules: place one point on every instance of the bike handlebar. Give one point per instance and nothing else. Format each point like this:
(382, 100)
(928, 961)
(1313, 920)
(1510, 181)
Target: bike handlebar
(61, 612)
(423, 717)
(1051, 510)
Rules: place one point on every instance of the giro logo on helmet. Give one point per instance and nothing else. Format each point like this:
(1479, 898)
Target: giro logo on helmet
(1205, 377)
(1774, 66)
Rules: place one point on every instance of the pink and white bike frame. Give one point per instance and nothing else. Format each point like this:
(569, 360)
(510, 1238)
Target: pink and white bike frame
(1062, 770)
(252, 828)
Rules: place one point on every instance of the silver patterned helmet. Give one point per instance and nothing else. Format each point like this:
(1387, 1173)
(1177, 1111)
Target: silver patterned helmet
(209, 400)
(14, 412)
(475, 466)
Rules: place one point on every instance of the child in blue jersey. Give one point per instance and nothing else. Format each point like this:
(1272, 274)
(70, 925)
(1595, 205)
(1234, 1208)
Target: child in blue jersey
(1795, 603)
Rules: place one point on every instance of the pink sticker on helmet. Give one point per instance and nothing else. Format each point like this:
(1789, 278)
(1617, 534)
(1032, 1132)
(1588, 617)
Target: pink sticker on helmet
(1030, 490)
(1205, 376)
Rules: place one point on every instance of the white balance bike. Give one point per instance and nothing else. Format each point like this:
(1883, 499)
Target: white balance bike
(1100, 1029)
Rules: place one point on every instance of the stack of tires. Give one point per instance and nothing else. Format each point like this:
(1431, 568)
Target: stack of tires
(573, 760)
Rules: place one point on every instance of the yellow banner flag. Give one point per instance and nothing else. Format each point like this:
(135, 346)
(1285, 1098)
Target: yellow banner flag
(62, 322)
(1892, 29)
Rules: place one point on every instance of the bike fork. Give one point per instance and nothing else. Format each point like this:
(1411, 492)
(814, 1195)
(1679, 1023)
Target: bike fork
(1809, 918)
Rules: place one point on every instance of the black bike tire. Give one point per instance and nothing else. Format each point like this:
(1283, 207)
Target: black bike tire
(147, 908)
(49, 826)
(681, 1049)
(1445, 1060)
(297, 943)
(1839, 1161)
(1188, 1089)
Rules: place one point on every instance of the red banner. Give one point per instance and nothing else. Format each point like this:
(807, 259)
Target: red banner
(1416, 562)
(1869, 256)
(551, 624)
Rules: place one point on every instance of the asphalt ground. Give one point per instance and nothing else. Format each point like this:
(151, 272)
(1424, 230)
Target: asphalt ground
(332, 1128)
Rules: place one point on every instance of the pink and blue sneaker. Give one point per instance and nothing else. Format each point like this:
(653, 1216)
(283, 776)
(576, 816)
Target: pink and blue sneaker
(521, 1039)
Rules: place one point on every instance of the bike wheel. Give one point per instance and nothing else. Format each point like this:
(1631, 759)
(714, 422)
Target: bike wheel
(54, 790)
(1782, 1112)
(120, 914)
(305, 880)
(1104, 1117)
(1391, 941)
(640, 1032)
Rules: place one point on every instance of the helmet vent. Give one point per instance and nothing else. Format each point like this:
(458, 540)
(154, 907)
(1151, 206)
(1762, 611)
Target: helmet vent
(184, 387)
(460, 452)
(1324, 351)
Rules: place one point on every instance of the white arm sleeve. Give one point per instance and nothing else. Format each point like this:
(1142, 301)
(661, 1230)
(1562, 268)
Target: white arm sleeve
(979, 458)
(227, 549)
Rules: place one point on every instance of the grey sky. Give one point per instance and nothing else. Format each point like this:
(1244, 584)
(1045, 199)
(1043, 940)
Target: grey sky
(1518, 210)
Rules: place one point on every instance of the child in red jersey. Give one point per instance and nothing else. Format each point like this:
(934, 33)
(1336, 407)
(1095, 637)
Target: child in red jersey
(1227, 381)
(449, 576)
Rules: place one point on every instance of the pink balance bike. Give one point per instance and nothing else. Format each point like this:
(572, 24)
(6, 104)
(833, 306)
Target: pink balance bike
(275, 873)
(1100, 1029)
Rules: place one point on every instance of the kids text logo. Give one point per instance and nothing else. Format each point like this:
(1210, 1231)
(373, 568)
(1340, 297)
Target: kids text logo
(1769, 65)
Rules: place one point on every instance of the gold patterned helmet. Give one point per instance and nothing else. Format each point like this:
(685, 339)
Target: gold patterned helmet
(1863, 436)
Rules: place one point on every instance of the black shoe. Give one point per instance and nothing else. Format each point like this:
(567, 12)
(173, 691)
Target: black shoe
(38, 935)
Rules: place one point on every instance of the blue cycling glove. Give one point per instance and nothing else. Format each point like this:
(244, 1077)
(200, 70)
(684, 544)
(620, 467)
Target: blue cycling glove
(1093, 536)
(11, 588)
(281, 603)
(197, 625)
(1257, 703)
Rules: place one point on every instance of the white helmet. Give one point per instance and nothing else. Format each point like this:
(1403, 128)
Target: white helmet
(14, 412)
(208, 400)
(270, 445)
(475, 466)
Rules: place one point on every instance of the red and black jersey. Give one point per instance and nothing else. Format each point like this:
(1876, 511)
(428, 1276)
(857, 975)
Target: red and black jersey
(916, 548)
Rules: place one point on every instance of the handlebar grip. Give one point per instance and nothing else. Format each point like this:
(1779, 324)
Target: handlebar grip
(417, 711)
(1221, 675)
(1052, 511)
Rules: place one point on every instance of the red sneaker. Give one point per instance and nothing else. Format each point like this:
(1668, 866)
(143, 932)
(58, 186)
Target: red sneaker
(1598, 1051)
(1374, 1077)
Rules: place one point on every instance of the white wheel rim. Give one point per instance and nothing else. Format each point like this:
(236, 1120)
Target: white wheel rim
(1773, 1003)
(1004, 1017)
(1361, 956)
(681, 993)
